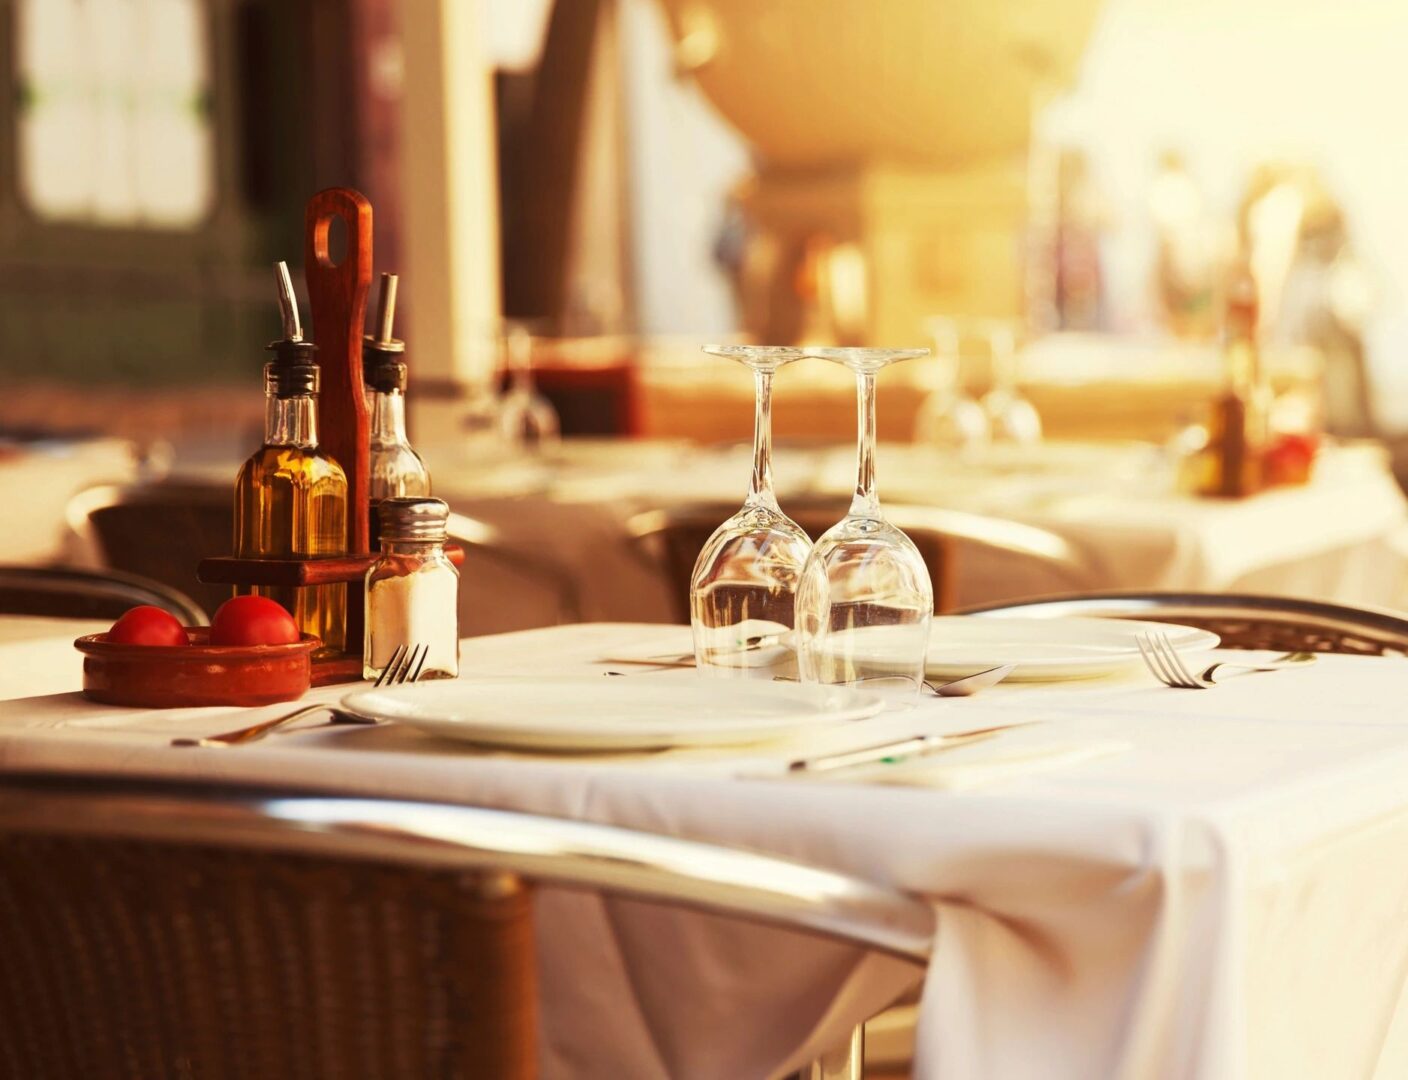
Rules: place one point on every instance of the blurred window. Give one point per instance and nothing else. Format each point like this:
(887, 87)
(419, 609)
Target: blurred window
(114, 119)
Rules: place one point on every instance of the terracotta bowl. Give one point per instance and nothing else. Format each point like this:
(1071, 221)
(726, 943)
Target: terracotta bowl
(173, 676)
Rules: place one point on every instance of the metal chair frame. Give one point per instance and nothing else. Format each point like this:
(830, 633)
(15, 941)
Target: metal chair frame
(100, 594)
(501, 847)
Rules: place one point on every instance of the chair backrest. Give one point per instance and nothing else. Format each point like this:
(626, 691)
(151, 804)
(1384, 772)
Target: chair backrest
(1243, 621)
(674, 538)
(160, 929)
(479, 538)
(160, 531)
(88, 594)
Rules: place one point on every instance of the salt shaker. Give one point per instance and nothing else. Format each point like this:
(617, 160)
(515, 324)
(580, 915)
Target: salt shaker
(413, 590)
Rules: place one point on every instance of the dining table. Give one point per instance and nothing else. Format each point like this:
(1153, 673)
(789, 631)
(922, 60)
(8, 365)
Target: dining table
(1137, 882)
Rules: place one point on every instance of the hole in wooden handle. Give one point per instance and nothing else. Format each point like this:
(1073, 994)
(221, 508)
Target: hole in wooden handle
(324, 241)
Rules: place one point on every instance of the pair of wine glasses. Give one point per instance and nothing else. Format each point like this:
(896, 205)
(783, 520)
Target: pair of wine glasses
(855, 606)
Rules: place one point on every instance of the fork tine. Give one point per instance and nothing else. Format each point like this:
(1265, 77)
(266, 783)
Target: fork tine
(1150, 660)
(405, 668)
(424, 652)
(1189, 680)
(1182, 678)
(385, 676)
(1167, 672)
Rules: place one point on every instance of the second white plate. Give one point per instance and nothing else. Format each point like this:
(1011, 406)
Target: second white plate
(1070, 648)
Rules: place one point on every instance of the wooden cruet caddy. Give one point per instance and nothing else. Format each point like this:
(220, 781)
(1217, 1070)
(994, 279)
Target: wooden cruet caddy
(337, 297)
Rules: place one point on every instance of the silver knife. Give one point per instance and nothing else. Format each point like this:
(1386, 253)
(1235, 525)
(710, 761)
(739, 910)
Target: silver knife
(898, 748)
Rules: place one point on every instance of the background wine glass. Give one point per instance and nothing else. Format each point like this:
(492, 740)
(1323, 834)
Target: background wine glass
(949, 418)
(742, 595)
(526, 418)
(1012, 417)
(865, 599)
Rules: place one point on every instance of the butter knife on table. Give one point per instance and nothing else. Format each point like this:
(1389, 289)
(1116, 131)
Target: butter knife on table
(913, 746)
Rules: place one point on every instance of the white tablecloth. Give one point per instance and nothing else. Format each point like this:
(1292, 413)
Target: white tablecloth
(1339, 539)
(1225, 899)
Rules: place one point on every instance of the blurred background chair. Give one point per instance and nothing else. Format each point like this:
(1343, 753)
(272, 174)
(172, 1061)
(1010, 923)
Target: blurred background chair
(162, 929)
(88, 594)
(673, 539)
(480, 539)
(160, 531)
(1242, 621)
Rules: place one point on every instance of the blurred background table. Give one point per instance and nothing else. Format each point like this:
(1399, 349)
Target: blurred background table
(1340, 538)
(555, 537)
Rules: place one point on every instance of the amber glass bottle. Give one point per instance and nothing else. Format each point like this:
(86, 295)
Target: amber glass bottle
(291, 497)
(1239, 418)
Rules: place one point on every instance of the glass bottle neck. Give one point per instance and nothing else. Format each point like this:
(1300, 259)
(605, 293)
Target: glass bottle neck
(1243, 366)
(291, 421)
(388, 417)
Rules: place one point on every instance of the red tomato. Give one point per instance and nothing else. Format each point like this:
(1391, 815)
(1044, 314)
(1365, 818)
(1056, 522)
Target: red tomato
(252, 620)
(147, 625)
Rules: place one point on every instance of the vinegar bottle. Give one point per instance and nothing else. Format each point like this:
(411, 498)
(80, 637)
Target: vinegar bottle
(291, 497)
(395, 470)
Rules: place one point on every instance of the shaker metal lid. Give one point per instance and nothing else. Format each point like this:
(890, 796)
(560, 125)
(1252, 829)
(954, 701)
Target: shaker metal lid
(419, 518)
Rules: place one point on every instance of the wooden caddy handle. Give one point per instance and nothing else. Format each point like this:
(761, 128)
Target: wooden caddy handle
(337, 298)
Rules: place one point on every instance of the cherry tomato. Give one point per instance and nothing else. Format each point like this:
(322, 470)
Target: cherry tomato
(147, 625)
(252, 620)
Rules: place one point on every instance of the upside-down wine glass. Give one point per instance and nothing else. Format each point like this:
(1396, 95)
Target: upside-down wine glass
(948, 418)
(1013, 417)
(742, 594)
(526, 418)
(865, 601)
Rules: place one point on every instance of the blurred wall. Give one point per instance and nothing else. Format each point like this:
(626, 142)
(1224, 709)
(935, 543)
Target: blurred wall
(683, 158)
(1231, 83)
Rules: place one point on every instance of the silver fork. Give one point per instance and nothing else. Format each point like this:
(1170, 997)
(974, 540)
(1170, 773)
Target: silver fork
(404, 666)
(1167, 666)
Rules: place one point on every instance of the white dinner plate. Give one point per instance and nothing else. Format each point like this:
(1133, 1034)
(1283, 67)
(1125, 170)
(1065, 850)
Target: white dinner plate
(1070, 648)
(601, 713)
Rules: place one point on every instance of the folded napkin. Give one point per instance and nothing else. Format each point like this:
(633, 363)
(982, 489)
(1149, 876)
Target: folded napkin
(975, 764)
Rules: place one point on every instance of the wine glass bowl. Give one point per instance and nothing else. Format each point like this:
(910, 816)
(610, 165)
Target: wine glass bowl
(742, 594)
(864, 607)
(865, 600)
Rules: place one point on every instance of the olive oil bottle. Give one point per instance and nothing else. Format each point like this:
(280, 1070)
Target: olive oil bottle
(290, 497)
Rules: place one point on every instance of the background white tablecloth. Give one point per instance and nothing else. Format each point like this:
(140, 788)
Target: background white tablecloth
(1225, 899)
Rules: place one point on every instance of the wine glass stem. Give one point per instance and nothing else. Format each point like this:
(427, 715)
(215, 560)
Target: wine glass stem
(760, 487)
(865, 503)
